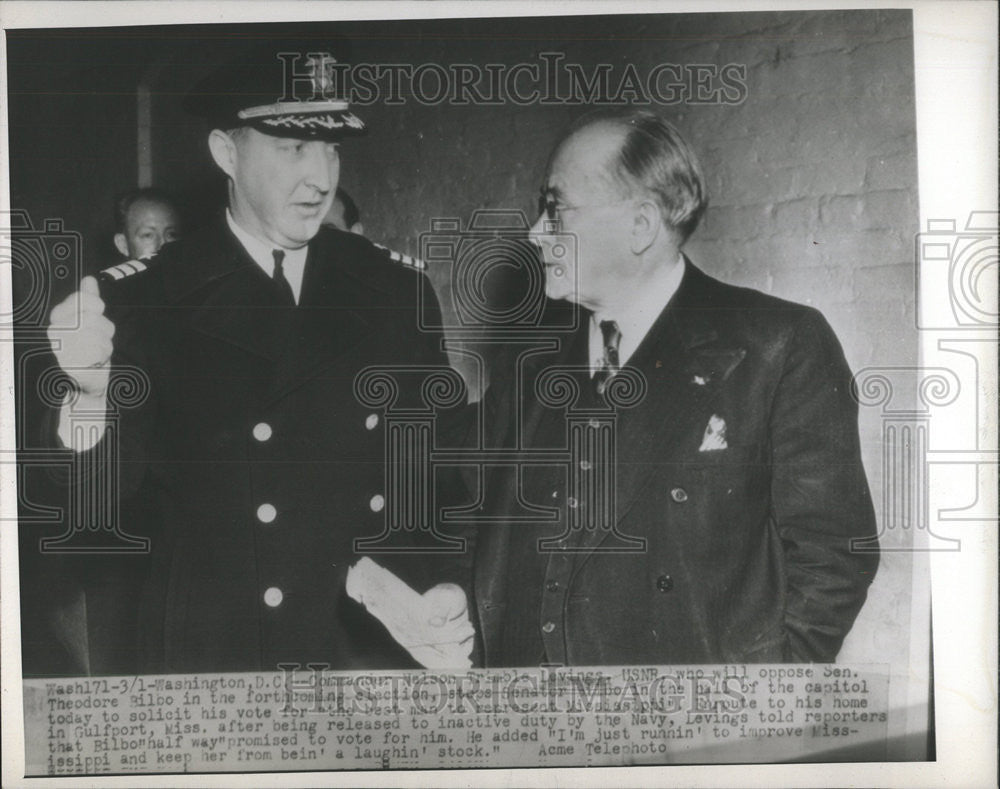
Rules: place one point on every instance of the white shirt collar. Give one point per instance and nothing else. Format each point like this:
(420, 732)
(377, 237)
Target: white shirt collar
(635, 323)
(294, 264)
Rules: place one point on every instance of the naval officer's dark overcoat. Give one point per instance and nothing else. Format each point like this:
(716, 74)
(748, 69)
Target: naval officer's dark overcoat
(254, 451)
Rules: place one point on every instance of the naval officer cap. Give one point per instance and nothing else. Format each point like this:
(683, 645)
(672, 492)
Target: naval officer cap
(281, 91)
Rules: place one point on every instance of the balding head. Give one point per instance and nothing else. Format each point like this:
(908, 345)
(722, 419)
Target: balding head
(622, 193)
(645, 154)
(591, 154)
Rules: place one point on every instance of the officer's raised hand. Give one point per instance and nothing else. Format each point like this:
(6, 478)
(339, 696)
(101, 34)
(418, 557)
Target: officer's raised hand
(81, 338)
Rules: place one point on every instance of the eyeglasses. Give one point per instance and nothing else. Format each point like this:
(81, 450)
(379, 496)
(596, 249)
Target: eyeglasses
(551, 208)
(548, 206)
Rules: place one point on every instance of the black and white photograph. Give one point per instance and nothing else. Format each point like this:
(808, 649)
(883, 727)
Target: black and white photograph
(402, 390)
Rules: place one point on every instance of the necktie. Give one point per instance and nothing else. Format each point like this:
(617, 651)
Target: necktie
(281, 285)
(609, 363)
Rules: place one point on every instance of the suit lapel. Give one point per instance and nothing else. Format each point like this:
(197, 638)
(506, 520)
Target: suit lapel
(537, 419)
(535, 430)
(684, 361)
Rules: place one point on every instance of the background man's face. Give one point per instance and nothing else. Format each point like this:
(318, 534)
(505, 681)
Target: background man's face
(335, 217)
(149, 225)
(282, 187)
(591, 207)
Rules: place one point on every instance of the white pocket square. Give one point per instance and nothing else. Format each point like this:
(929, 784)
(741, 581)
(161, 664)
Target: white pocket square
(715, 435)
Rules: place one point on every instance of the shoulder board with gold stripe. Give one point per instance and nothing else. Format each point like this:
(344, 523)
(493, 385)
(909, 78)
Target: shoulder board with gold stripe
(398, 257)
(124, 270)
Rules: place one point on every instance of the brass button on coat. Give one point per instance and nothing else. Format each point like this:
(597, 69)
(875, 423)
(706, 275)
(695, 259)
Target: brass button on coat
(266, 513)
(273, 596)
(664, 583)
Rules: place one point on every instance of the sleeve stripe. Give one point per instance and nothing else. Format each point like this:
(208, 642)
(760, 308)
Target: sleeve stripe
(126, 269)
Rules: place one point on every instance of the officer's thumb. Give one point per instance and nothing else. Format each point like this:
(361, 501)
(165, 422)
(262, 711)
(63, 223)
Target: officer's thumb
(446, 602)
(89, 286)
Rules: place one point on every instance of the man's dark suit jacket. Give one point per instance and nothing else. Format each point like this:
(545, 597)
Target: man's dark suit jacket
(253, 403)
(748, 554)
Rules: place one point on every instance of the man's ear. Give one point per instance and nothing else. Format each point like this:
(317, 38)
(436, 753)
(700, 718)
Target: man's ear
(121, 244)
(223, 149)
(647, 224)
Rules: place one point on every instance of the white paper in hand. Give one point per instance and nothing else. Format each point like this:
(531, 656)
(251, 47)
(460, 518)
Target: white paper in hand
(433, 627)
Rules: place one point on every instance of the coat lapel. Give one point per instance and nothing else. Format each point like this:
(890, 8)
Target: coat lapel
(684, 362)
(493, 540)
(230, 295)
(233, 301)
(537, 418)
(327, 323)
